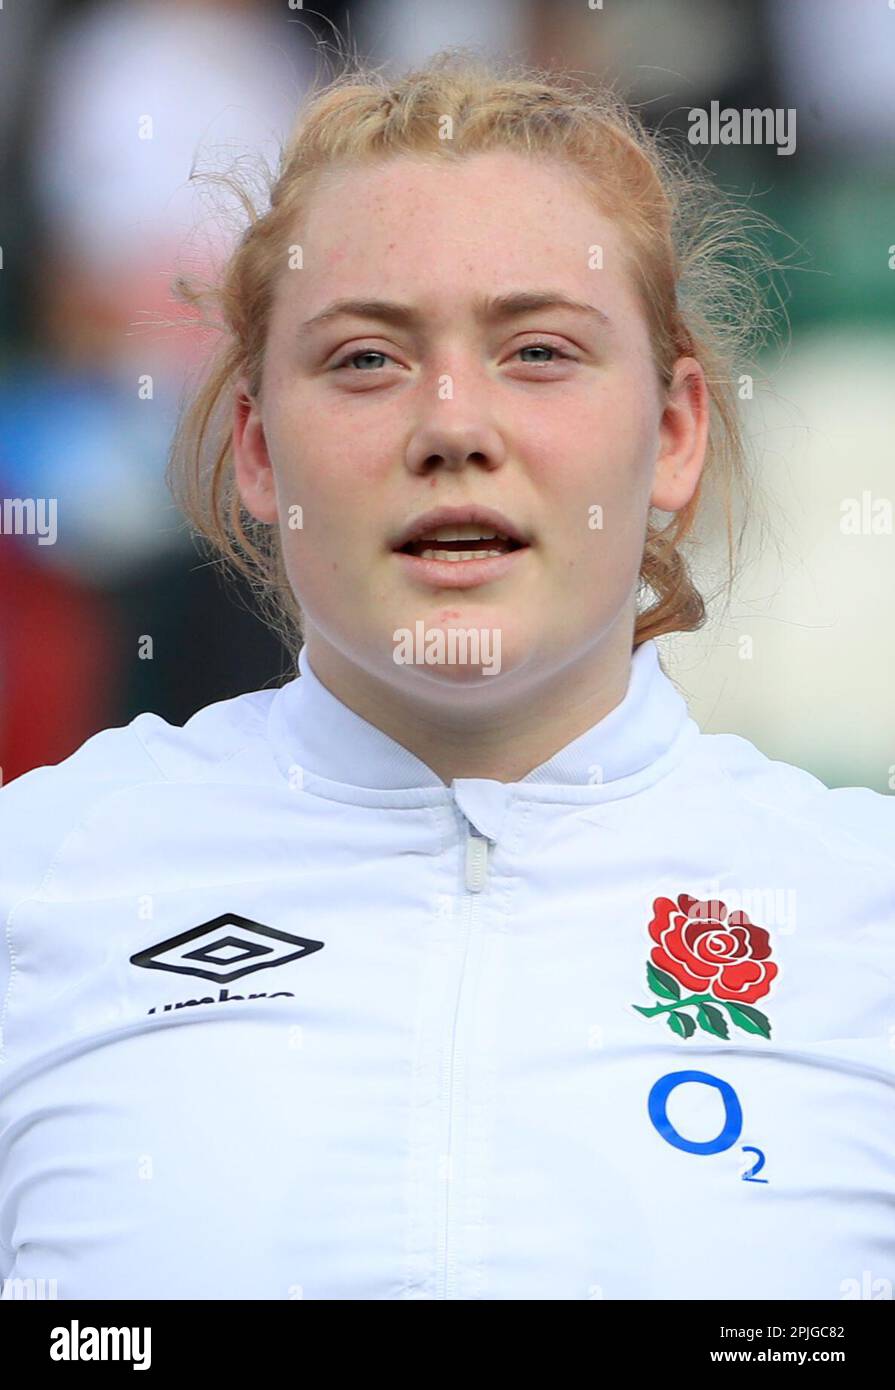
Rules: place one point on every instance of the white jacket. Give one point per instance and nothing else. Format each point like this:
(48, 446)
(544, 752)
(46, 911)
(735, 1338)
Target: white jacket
(285, 1016)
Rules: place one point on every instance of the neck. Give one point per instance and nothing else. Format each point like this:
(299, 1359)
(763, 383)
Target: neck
(470, 737)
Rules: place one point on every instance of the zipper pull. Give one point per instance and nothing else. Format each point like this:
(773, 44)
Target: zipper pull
(476, 859)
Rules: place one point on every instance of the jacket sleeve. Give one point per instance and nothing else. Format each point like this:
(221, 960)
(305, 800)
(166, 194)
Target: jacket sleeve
(40, 808)
(38, 811)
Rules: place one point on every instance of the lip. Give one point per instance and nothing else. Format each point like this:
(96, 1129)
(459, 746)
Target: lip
(459, 516)
(459, 574)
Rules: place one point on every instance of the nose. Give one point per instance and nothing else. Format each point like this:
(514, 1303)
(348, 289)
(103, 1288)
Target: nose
(448, 443)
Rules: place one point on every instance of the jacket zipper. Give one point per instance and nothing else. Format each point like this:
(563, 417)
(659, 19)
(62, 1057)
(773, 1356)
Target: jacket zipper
(476, 864)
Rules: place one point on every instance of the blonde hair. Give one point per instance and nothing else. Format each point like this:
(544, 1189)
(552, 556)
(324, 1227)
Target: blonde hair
(697, 271)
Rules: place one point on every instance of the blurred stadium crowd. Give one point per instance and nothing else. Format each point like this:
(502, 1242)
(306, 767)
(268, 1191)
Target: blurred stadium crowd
(95, 223)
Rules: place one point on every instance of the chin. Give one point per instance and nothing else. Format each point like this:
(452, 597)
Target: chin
(462, 657)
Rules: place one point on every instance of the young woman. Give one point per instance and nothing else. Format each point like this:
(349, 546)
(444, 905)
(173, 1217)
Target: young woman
(463, 965)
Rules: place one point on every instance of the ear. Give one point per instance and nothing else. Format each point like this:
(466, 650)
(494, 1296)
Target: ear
(683, 437)
(252, 466)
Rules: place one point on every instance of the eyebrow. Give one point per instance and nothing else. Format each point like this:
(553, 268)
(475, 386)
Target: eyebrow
(490, 309)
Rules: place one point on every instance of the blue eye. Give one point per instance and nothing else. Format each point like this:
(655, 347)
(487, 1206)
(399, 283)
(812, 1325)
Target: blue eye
(364, 352)
(545, 347)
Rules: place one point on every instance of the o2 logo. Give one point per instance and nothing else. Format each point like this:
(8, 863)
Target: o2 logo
(657, 1106)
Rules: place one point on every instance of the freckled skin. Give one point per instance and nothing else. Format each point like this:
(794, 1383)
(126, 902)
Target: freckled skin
(369, 446)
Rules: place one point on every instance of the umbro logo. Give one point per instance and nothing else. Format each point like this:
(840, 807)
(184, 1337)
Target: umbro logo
(225, 949)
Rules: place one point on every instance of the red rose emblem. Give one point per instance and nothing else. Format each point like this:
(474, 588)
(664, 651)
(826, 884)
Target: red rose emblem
(706, 948)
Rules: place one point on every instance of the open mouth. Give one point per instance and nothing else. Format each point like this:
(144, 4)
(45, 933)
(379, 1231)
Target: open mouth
(458, 551)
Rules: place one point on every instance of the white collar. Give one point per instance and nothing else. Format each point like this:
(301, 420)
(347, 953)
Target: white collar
(350, 759)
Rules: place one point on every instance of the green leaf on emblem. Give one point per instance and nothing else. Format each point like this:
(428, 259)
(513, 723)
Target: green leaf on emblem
(682, 1024)
(662, 982)
(749, 1019)
(712, 1020)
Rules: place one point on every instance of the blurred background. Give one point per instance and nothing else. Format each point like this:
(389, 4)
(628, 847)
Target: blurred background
(95, 222)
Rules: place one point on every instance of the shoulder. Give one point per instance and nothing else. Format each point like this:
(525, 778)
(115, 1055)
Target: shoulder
(854, 822)
(38, 809)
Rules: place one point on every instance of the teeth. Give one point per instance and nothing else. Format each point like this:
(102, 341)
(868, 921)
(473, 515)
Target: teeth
(459, 554)
(469, 532)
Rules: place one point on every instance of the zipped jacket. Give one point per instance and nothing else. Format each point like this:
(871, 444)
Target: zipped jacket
(286, 1016)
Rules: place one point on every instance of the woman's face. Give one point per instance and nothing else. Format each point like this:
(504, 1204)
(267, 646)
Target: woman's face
(550, 414)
